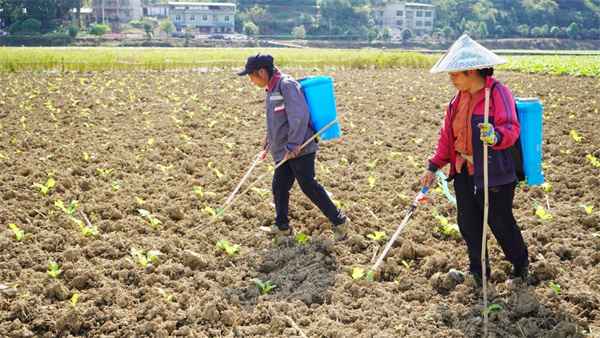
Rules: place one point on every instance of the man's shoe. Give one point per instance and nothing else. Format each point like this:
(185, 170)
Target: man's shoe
(459, 276)
(519, 272)
(274, 230)
(340, 230)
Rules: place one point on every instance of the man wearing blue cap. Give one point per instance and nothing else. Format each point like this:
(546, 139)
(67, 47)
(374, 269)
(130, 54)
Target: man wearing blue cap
(288, 127)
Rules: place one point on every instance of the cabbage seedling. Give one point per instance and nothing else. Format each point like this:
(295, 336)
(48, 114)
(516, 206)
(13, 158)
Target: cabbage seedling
(18, 233)
(150, 256)
(166, 297)
(229, 249)
(53, 269)
(74, 300)
(266, 286)
(45, 189)
(377, 235)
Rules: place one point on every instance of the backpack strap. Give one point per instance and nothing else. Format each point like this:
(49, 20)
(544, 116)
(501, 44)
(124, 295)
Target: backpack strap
(516, 150)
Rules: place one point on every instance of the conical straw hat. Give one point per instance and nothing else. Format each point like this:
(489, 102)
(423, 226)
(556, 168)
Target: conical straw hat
(466, 54)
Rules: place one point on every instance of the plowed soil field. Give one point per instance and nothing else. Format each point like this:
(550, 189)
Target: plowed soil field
(141, 161)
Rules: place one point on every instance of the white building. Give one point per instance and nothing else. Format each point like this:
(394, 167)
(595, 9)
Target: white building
(116, 10)
(397, 16)
(208, 17)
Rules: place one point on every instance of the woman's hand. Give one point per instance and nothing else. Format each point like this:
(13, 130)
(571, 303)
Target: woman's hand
(265, 143)
(427, 179)
(294, 154)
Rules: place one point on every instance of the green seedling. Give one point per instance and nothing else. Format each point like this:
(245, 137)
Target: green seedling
(416, 140)
(378, 143)
(67, 210)
(377, 235)
(198, 191)
(210, 211)
(324, 170)
(218, 173)
(139, 201)
(588, 209)
(164, 168)
(372, 182)
(344, 160)
(150, 256)
(74, 300)
(104, 172)
(555, 287)
(539, 211)
(261, 192)
(407, 264)
(115, 186)
(490, 308)
(86, 157)
(166, 297)
(18, 233)
(358, 273)
(45, 189)
(394, 154)
(412, 161)
(546, 186)
(153, 220)
(593, 161)
(53, 269)
(225, 245)
(449, 228)
(302, 238)
(266, 286)
(576, 137)
(85, 230)
(372, 165)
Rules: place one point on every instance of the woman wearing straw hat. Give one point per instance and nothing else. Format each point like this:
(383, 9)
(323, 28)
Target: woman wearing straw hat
(461, 144)
(288, 127)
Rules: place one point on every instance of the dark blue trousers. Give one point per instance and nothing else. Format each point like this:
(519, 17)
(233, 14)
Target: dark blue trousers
(301, 169)
(470, 204)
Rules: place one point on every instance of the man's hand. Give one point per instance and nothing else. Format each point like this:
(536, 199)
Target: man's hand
(487, 133)
(294, 154)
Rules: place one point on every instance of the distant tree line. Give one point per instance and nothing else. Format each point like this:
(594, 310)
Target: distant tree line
(353, 19)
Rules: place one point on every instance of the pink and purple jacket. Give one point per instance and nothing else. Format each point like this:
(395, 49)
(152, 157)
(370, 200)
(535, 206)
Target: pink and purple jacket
(503, 117)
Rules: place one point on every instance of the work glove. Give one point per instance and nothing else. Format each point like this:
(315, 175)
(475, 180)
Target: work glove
(487, 133)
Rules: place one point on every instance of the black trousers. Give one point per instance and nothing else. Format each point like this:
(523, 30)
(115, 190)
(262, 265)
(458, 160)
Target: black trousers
(470, 204)
(301, 169)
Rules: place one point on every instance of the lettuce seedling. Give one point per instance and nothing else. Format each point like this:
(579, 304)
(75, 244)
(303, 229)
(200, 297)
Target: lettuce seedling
(449, 228)
(377, 235)
(53, 269)
(166, 297)
(104, 172)
(358, 273)
(589, 209)
(153, 220)
(85, 230)
(209, 210)
(394, 154)
(412, 161)
(593, 161)
(539, 211)
(150, 256)
(18, 232)
(198, 191)
(576, 137)
(74, 300)
(266, 287)
(261, 192)
(372, 182)
(546, 186)
(555, 287)
(45, 189)
(372, 165)
(302, 238)
(67, 210)
(139, 201)
(225, 245)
